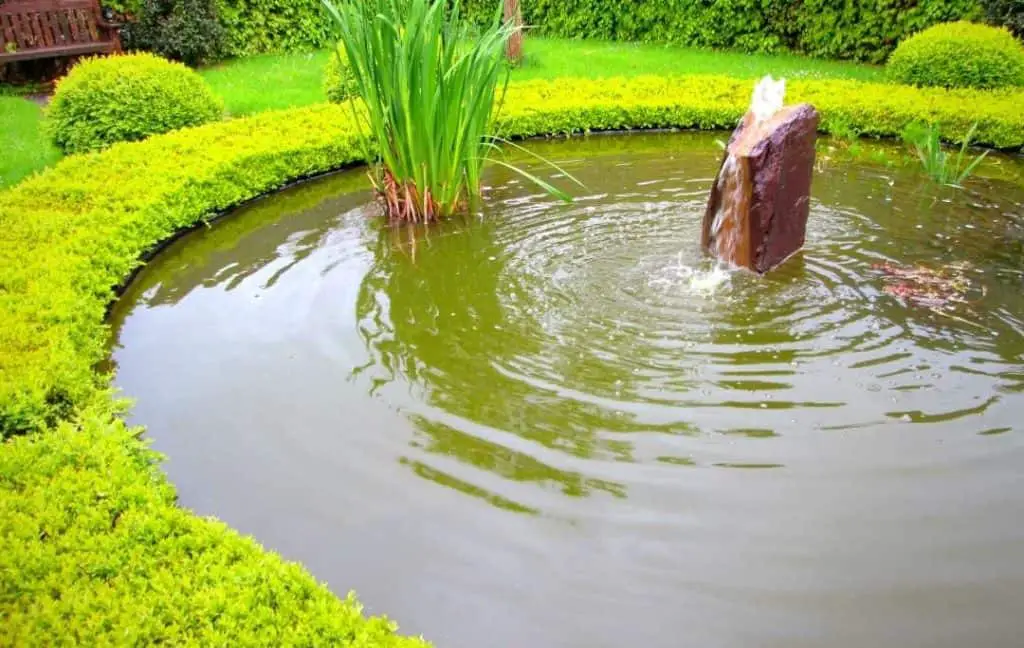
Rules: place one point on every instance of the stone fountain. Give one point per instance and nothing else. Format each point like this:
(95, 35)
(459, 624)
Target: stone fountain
(756, 216)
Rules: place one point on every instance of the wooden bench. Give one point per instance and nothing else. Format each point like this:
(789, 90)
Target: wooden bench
(39, 29)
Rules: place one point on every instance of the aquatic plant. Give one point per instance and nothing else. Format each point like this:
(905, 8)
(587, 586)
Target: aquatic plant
(430, 91)
(942, 167)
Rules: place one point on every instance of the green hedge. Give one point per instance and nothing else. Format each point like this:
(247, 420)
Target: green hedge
(70, 234)
(257, 26)
(866, 30)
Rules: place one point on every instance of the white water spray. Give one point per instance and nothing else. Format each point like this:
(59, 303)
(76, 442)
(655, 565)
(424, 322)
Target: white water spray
(767, 98)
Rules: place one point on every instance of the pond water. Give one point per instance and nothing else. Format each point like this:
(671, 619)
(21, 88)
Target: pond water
(555, 425)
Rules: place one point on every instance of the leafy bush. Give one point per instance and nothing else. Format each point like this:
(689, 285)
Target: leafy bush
(123, 7)
(339, 81)
(184, 30)
(865, 30)
(959, 55)
(256, 26)
(1006, 13)
(125, 98)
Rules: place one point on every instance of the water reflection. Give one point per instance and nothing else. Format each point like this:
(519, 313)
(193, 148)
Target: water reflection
(430, 311)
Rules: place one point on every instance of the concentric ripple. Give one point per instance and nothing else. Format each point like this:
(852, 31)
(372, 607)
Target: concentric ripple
(382, 403)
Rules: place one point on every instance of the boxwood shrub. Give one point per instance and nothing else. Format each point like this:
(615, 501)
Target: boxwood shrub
(126, 98)
(339, 80)
(95, 552)
(959, 55)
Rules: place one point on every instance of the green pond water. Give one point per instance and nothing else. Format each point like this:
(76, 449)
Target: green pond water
(554, 425)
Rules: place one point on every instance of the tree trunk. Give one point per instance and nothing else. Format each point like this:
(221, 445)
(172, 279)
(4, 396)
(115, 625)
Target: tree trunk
(514, 47)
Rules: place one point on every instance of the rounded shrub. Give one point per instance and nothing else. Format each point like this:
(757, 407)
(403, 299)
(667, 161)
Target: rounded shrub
(126, 98)
(339, 81)
(959, 55)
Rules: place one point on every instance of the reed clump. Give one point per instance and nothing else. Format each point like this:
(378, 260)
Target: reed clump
(431, 92)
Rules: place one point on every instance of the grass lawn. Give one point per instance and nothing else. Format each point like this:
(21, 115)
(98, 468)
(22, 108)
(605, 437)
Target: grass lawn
(24, 147)
(275, 81)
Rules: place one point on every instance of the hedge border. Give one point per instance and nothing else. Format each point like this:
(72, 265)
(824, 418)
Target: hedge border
(70, 235)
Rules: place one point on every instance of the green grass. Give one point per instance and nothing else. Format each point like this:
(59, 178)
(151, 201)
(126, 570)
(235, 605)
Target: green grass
(275, 81)
(25, 149)
(552, 58)
(269, 81)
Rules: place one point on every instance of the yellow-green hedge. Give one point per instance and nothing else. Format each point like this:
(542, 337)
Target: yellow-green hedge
(90, 532)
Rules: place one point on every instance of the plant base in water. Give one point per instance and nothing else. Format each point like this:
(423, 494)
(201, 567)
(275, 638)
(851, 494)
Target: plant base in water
(404, 202)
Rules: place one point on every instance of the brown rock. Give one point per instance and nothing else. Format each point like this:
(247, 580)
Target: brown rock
(757, 212)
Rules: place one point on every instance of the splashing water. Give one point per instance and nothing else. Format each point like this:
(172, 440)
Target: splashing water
(693, 280)
(768, 97)
(726, 229)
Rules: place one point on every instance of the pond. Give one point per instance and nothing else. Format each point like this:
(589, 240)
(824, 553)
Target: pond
(557, 425)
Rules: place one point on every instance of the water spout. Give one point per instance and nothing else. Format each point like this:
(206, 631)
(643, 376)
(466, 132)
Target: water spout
(768, 98)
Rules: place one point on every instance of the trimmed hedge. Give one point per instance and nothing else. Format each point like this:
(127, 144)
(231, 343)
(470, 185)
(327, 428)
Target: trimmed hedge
(90, 531)
(125, 98)
(259, 26)
(959, 55)
(866, 30)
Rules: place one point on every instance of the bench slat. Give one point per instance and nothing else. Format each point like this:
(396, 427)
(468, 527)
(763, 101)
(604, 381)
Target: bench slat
(22, 34)
(47, 30)
(7, 29)
(60, 27)
(37, 33)
(53, 23)
(93, 18)
(63, 50)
